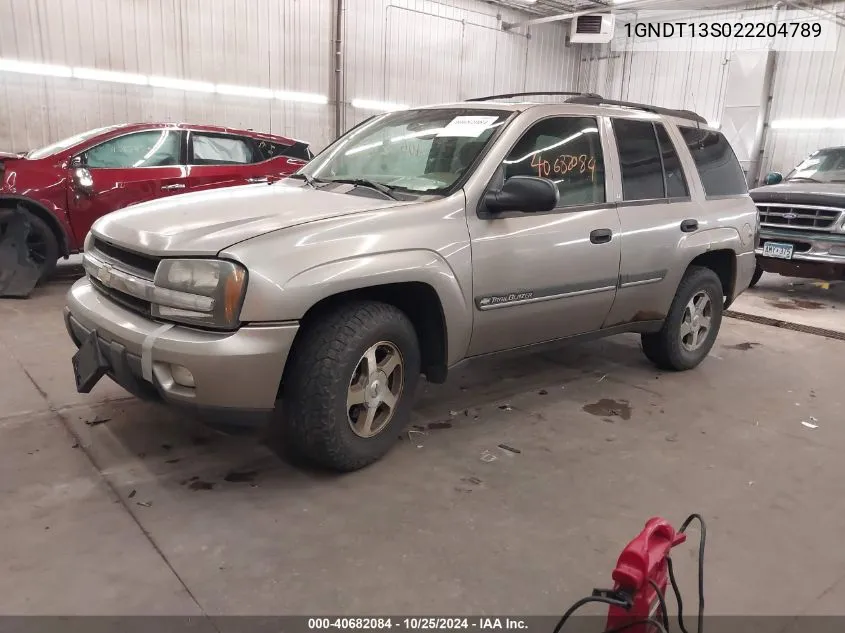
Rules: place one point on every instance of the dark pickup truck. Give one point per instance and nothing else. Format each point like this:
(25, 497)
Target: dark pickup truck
(802, 219)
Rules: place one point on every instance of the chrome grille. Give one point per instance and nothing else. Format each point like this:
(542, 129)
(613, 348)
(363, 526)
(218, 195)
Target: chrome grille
(797, 216)
(123, 276)
(140, 265)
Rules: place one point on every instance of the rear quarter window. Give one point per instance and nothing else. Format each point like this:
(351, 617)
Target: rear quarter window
(269, 150)
(718, 167)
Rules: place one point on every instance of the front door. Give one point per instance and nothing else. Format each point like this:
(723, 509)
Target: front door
(544, 276)
(124, 170)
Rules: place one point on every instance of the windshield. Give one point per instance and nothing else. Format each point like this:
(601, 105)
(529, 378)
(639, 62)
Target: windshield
(420, 151)
(825, 165)
(70, 141)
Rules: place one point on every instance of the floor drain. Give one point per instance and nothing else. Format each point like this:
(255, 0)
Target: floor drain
(786, 325)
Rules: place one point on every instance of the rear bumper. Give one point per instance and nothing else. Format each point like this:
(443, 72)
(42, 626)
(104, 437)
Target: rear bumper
(816, 255)
(235, 371)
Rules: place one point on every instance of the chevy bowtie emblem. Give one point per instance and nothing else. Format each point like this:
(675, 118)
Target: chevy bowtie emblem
(104, 274)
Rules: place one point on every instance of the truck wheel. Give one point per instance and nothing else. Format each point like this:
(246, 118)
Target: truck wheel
(692, 325)
(349, 386)
(758, 272)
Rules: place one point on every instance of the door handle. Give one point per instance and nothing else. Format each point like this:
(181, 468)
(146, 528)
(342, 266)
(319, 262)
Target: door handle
(172, 187)
(263, 179)
(688, 226)
(601, 236)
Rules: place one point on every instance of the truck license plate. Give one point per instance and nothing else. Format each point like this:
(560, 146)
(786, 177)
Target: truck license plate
(779, 250)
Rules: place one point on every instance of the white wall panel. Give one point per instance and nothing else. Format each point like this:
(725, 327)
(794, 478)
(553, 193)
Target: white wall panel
(404, 51)
(807, 84)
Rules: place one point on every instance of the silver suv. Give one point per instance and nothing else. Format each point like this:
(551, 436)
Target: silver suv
(418, 240)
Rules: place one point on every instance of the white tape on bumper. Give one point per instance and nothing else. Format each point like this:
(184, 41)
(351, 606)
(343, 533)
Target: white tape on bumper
(147, 351)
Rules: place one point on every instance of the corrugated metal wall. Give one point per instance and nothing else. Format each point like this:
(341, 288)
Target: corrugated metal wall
(406, 51)
(807, 84)
(436, 52)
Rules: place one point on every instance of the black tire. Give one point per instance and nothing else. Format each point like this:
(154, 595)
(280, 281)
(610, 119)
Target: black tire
(312, 418)
(42, 245)
(758, 272)
(664, 348)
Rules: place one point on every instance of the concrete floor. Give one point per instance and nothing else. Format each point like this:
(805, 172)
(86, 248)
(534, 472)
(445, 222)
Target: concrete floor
(112, 506)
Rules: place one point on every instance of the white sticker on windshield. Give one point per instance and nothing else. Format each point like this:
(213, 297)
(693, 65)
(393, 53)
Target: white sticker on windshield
(471, 126)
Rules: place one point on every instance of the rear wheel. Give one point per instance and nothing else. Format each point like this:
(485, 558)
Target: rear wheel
(692, 324)
(349, 386)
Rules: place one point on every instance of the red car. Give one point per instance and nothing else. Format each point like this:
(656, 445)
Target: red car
(50, 196)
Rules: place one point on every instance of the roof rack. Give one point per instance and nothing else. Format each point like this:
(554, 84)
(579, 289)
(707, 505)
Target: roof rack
(533, 94)
(588, 99)
(591, 98)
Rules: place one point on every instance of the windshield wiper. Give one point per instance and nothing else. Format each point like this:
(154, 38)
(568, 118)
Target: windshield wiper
(363, 182)
(807, 178)
(308, 179)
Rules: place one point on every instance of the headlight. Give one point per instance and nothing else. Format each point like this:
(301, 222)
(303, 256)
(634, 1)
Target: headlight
(205, 292)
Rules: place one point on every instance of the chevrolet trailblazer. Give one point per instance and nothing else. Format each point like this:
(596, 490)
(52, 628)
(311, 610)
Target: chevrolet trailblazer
(419, 239)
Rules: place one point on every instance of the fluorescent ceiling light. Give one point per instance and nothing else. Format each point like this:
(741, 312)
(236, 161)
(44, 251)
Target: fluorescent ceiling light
(30, 68)
(181, 84)
(110, 75)
(113, 76)
(809, 124)
(304, 97)
(382, 106)
(244, 91)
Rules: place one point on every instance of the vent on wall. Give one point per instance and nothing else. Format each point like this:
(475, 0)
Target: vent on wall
(592, 29)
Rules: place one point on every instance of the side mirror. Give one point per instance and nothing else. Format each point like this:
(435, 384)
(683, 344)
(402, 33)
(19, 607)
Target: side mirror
(83, 181)
(76, 162)
(523, 193)
(774, 178)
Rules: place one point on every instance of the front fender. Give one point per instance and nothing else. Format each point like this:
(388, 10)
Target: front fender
(269, 301)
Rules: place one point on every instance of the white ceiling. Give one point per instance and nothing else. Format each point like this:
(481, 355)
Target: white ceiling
(557, 7)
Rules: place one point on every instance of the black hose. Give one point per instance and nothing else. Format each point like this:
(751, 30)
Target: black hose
(581, 603)
(701, 543)
(661, 599)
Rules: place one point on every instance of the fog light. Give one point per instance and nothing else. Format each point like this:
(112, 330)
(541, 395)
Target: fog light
(181, 376)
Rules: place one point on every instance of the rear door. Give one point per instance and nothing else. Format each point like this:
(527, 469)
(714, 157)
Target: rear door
(124, 170)
(223, 160)
(655, 203)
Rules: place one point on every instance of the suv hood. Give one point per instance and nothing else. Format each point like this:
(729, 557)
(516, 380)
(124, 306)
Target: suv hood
(814, 193)
(206, 222)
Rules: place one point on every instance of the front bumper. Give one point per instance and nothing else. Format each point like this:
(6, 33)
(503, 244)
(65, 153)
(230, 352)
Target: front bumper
(238, 371)
(820, 255)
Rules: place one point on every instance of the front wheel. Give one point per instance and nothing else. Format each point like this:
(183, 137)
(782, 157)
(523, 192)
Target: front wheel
(692, 324)
(349, 386)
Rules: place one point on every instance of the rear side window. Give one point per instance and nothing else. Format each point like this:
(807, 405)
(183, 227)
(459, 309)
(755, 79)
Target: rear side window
(639, 157)
(721, 174)
(268, 150)
(566, 150)
(676, 183)
(212, 149)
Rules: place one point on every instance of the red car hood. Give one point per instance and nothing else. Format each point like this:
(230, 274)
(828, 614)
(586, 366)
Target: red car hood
(206, 222)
